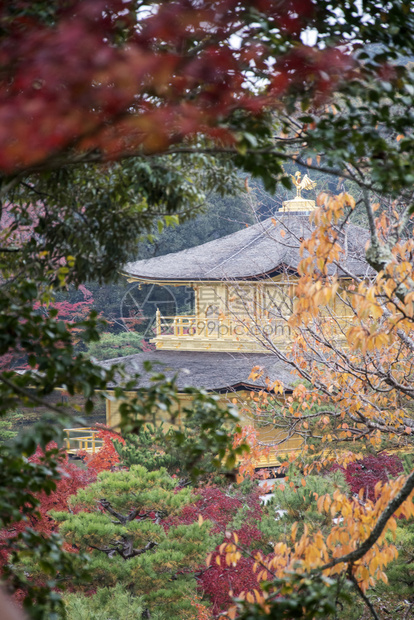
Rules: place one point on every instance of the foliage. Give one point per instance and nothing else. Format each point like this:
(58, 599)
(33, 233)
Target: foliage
(72, 478)
(109, 603)
(106, 457)
(151, 561)
(400, 572)
(121, 116)
(356, 372)
(106, 604)
(202, 429)
(72, 314)
(149, 447)
(248, 462)
(110, 345)
(222, 583)
(6, 432)
(221, 507)
(186, 87)
(21, 479)
(220, 216)
(348, 541)
(365, 473)
(227, 510)
(157, 445)
(294, 502)
(31, 533)
(378, 321)
(295, 596)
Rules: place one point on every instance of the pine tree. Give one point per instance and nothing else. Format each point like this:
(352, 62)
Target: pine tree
(149, 448)
(156, 446)
(106, 604)
(120, 522)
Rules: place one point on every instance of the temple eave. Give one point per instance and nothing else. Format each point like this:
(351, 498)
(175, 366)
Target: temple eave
(174, 281)
(251, 254)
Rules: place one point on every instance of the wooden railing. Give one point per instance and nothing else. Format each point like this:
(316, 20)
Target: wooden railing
(82, 438)
(219, 328)
(233, 328)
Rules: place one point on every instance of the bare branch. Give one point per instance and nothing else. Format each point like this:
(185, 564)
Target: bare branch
(366, 600)
(392, 506)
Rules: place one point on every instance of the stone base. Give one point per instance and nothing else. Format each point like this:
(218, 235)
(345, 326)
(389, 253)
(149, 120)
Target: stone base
(298, 204)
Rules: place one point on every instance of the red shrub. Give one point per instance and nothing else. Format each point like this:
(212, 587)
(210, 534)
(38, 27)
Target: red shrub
(217, 506)
(72, 479)
(220, 508)
(106, 457)
(365, 473)
(220, 583)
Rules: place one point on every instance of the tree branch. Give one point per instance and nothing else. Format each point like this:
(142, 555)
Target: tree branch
(122, 519)
(366, 600)
(32, 397)
(125, 549)
(392, 506)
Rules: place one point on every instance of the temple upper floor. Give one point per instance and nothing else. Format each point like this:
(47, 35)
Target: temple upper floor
(244, 284)
(237, 317)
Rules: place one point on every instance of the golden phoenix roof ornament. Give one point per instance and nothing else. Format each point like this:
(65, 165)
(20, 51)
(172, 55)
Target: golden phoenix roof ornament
(301, 184)
(298, 203)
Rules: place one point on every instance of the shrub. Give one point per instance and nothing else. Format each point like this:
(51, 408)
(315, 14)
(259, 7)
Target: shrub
(365, 473)
(111, 345)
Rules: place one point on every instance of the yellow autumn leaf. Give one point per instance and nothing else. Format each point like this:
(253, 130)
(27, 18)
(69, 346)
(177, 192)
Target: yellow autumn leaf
(232, 612)
(259, 596)
(373, 565)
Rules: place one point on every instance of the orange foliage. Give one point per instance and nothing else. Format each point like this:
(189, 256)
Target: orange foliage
(106, 457)
(358, 365)
(353, 522)
(248, 462)
(358, 372)
(200, 611)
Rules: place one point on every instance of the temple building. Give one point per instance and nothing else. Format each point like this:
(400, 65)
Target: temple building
(244, 286)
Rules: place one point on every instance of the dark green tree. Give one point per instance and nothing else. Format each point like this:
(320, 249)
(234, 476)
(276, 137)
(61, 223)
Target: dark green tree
(107, 603)
(149, 448)
(158, 445)
(118, 520)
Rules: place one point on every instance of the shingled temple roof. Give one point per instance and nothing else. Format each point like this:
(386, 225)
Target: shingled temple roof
(215, 372)
(265, 249)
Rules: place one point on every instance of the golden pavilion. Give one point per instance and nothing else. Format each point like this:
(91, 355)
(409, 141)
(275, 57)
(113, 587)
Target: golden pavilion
(243, 293)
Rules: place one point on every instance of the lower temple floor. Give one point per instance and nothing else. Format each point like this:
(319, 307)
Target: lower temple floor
(225, 374)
